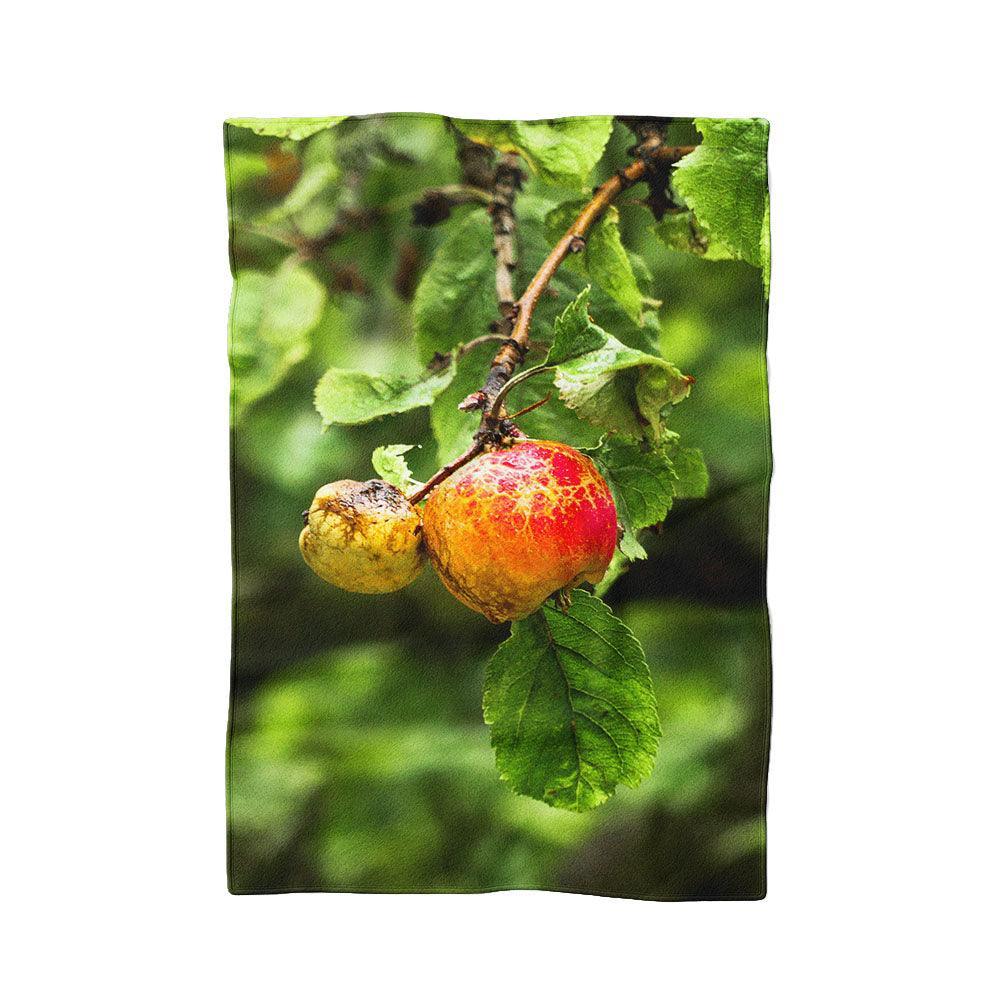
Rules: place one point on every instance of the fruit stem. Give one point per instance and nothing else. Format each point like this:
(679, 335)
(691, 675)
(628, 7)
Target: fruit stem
(442, 474)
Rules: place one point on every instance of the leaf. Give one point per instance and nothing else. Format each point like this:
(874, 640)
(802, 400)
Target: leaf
(680, 231)
(609, 384)
(456, 298)
(286, 128)
(455, 301)
(570, 705)
(724, 181)
(574, 332)
(690, 471)
(272, 317)
(559, 150)
(388, 462)
(604, 259)
(642, 482)
(344, 396)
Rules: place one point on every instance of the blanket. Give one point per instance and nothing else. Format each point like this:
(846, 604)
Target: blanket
(500, 470)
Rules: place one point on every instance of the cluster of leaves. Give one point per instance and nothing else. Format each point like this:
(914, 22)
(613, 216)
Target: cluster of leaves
(568, 696)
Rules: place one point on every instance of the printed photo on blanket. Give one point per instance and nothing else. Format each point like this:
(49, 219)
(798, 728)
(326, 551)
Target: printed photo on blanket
(500, 469)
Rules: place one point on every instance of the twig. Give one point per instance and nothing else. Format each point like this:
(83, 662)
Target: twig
(435, 204)
(531, 406)
(495, 408)
(442, 474)
(348, 220)
(506, 183)
(464, 349)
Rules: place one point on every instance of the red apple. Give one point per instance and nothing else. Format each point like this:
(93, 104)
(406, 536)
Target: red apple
(517, 524)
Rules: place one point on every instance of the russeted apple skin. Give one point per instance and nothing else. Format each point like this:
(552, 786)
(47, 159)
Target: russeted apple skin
(517, 524)
(363, 537)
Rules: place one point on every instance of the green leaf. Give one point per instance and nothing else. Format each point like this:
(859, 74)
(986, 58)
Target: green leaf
(344, 396)
(286, 128)
(272, 317)
(455, 301)
(389, 463)
(724, 181)
(680, 231)
(570, 706)
(559, 150)
(574, 332)
(642, 482)
(692, 475)
(609, 384)
(456, 298)
(604, 260)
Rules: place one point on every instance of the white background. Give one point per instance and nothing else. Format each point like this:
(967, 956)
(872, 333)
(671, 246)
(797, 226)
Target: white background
(883, 363)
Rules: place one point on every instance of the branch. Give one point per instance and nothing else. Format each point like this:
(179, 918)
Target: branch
(517, 314)
(506, 184)
(435, 204)
(573, 240)
(442, 474)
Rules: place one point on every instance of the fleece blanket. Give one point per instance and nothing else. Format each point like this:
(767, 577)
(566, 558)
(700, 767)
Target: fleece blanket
(500, 469)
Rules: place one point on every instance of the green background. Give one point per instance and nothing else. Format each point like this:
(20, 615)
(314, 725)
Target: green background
(358, 758)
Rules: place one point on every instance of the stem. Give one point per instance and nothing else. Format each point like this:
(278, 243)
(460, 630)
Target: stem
(506, 181)
(442, 474)
(486, 338)
(435, 204)
(531, 406)
(516, 380)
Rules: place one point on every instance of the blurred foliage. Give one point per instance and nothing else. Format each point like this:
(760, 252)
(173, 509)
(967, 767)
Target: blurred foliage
(358, 756)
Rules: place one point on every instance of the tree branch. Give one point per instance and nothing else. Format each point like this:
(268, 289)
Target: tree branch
(516, 315)
(573, 240)
(442, 474)
(435, 204)
(506, 184)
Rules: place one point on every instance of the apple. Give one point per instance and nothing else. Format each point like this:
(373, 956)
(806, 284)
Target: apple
(516, 524)
(363, 537)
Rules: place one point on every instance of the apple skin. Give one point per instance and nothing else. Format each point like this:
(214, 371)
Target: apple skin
(517, 524)
(363, 537)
